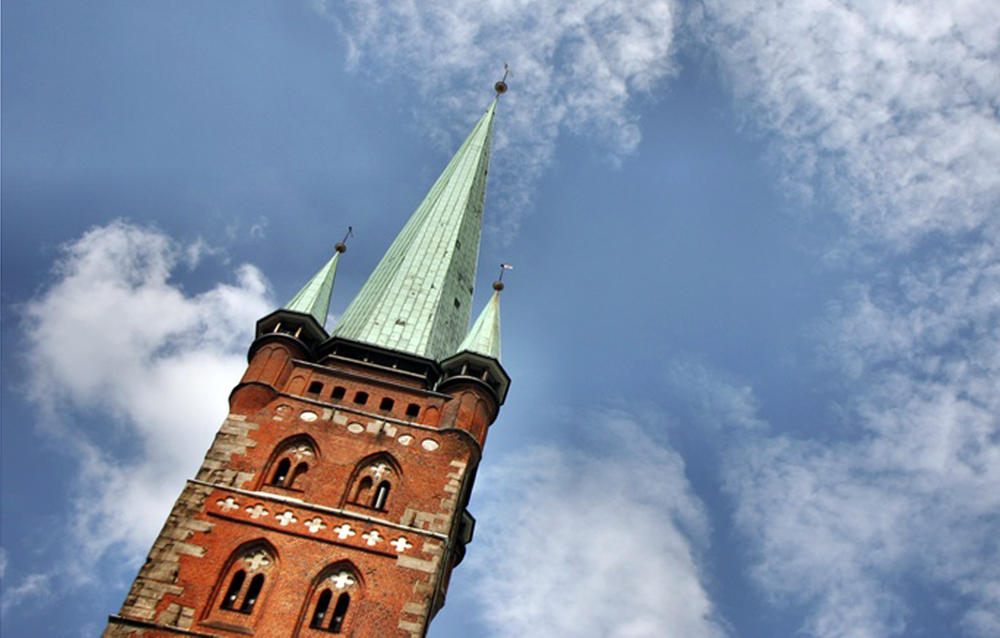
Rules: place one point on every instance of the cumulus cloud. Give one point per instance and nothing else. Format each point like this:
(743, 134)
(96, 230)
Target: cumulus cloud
(578, 67)
(573, 543)
(131, 374)
(889, 107)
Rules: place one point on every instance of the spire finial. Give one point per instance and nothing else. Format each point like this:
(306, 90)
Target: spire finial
(501, 86)
(341, 246)
(498, 284)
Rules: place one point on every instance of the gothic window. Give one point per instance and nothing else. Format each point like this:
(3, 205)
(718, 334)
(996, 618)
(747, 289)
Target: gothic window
(361, 398)
(372, 482)
(386, 404)
(243, 582)
(363, 493)
(235, 587)
(328, 607)
(290, 460)
(381, 495)
(281, 473)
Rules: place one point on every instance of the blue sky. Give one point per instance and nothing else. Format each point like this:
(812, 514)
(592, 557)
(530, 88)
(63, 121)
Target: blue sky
(753, 326)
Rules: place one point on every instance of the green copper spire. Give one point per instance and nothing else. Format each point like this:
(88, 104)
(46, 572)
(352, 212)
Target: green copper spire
(484, 337)
(314, 298)
(418, 298)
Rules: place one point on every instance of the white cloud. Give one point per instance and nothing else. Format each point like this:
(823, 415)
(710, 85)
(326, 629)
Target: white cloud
(131, 374)
(573, 543)
(841, 530)
(578, 66)
(32, 587)
(890, 106)
(890, 110)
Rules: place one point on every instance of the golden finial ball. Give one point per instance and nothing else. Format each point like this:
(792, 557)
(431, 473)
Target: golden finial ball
(498, 286)
(500, 87)
(341, 247)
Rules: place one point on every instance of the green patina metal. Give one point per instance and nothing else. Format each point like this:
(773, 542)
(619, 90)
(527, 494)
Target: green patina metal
(484, 338)
(419, 296)
(314, 298)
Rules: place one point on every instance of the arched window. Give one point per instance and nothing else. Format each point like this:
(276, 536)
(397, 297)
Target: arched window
(340, 612)
(338, 393)
(315, 387)
(297, 452)
(386, 404)
(412, 410)
(361, 398)
(235, 587)
(281, 473)
(243, 582)
(322, 606)
(253, 593)
(363, 493)
(372, 482)
(381, 495)
(328, 606)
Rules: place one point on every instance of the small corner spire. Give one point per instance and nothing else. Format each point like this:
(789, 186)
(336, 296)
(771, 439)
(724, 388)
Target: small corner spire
(314, 298)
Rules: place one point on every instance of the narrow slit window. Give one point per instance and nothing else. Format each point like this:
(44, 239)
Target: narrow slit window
(229, 602)
(322, 606)
(252, 593)
(281, 472)
(381, 495)
(386, 404)
(412, 410)
(361, 398)
(339, 613)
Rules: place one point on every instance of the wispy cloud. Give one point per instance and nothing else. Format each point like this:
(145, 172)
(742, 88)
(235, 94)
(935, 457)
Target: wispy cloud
(578, 66)
(889, 110)
(31, 588)
(889, 107)
(574, 543)
(840, 529)
(131, 375)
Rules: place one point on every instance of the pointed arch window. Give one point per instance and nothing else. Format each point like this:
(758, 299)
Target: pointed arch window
(329, 605)
(243, 584)
(289, 462)
(372, 483)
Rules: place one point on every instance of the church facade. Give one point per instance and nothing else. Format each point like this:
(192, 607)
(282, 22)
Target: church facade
(333, 499)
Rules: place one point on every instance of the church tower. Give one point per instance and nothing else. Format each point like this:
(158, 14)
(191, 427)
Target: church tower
(333, 499)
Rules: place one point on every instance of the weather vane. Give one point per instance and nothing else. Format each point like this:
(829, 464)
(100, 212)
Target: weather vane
(501, 86)
(498, 284)
(342, 245)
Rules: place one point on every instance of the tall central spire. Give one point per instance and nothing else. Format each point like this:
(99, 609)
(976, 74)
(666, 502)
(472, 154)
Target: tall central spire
(418, 299)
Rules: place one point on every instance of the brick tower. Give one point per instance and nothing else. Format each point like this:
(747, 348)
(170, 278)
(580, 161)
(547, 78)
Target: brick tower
(333, 498)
